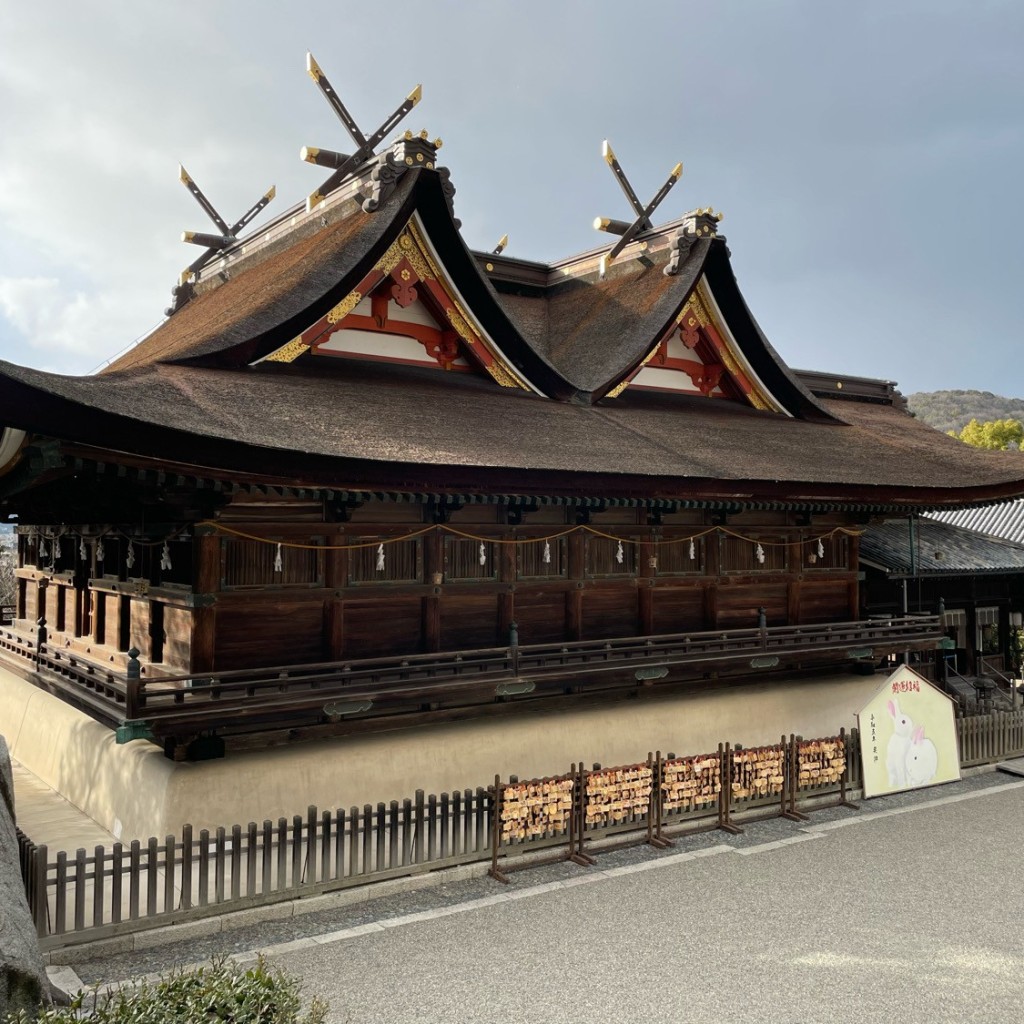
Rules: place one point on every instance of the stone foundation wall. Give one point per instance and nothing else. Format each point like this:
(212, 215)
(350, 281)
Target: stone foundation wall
(135, 792)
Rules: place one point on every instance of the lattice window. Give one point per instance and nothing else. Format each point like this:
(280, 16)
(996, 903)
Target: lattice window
(601, 556)
(530, 564)
(835, 553)
(462, 560)
(249, 563)
(674, 559)
(402, 562)
(740, 554)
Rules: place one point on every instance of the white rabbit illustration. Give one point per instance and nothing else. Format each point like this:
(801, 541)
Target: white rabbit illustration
(899, 745)
(922, 760)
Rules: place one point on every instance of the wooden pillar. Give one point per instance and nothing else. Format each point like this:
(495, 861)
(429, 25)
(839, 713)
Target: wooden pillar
(854, 559)
(206, 575)
(335, 579)
(507, 569)
(433, 574)
(712, 568)
(645, 573)
(574, 596)
(795, 556)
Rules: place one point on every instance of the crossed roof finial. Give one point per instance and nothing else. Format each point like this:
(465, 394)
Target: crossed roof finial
(344, 163)
(642, 221)
(215, 244)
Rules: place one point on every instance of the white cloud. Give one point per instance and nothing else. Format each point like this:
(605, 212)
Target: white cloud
(70, 332)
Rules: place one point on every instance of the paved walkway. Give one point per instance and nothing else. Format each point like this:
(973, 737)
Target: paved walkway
(907, 911)
(46, 817)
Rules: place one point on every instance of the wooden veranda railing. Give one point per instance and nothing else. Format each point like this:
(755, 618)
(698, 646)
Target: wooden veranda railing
(188, 702)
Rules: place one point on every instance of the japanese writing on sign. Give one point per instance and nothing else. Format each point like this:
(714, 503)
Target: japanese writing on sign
(906, 686)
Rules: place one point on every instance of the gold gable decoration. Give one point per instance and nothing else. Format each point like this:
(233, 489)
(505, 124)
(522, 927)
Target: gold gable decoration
(412, 246)
(696, 312)
(288, 353)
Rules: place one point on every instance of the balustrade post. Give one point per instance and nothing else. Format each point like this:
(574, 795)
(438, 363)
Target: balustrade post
(133, 701)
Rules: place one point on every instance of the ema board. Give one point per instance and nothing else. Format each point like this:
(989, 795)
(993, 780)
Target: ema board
(908, 736)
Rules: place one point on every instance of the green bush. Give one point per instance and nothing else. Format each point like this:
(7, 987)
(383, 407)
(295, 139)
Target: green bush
(221, 991)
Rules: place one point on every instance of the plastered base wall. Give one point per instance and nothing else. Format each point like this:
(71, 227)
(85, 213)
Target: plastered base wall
(135, 792)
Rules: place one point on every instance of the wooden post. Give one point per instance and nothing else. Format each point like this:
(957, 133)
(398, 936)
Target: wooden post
(251, 842)
(655, 837)
(791, 778)
(282, 854)
(353, 850)
(220, 843)
(134, 700)
(577, 856)
(236, 861)
(445, 825)
(843, 801)
(170, 863)
(207, 569)
(725, 793)
(339, 843)
(267, 884)
(419, 824)
(393, 833)
(99, 860)
(498, 792)
(79, 890)
(60, 904)
(134, 870)
(432, 827)
(367, 837)
(41, 905)
(433, 570)
(297, 858)
(116, 881)
(325, 846)
(311, 842)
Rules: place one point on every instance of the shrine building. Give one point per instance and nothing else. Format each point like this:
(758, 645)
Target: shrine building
(363, 478)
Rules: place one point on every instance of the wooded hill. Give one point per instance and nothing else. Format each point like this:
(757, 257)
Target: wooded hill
(953, 410)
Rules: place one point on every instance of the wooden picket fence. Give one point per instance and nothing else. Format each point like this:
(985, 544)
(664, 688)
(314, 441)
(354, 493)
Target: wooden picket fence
(143, 885)
(136, 886)
(993, 737)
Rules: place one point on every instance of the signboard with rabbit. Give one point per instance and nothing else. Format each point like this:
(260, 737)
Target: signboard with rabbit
(908, 736)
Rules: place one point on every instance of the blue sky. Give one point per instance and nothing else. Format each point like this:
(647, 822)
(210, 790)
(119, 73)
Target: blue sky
(867, 156)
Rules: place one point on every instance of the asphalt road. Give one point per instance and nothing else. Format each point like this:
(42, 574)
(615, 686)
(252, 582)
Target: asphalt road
(906, 918)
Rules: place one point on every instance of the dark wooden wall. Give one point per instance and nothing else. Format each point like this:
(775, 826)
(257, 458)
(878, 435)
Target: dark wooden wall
(239, 611)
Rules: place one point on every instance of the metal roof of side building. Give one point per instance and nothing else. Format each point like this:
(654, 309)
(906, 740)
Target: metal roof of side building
(933, 548)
